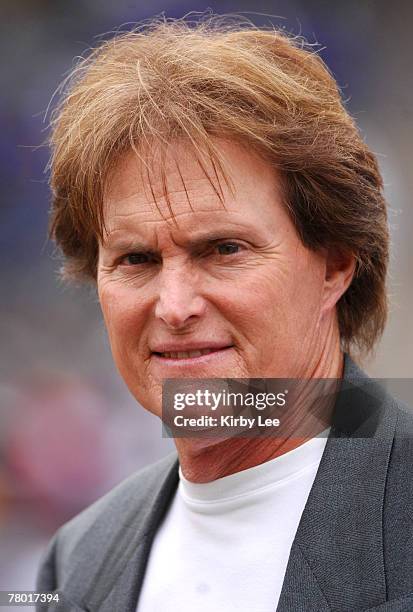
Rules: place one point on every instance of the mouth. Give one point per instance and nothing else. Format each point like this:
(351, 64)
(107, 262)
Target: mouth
(189, 356)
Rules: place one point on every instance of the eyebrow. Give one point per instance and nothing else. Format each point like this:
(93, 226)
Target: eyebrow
(201, 239)
(124, 245)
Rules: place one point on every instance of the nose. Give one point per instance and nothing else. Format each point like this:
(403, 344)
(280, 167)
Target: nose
(179, 302)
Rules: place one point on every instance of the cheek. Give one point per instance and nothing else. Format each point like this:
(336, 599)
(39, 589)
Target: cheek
(303, 307)
(290, 292)
(124, 315)
(279, 302)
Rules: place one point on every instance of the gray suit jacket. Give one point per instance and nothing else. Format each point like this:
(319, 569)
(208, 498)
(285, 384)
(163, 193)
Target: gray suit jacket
(353, 550)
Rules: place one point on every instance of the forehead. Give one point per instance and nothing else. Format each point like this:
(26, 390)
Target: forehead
(182, 190)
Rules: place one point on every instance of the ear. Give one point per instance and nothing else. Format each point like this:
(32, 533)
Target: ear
(339, 272)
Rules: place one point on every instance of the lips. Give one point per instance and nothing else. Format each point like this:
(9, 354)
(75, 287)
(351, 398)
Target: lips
(187, 352)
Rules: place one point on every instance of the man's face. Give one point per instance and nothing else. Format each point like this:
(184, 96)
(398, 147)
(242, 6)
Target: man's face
(225, 291)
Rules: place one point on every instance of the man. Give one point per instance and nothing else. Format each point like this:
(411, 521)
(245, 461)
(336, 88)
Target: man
(210, 182)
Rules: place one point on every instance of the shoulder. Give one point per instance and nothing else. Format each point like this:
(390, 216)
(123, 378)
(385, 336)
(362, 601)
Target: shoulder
(398, 505)
(401, 456)
(133, 504)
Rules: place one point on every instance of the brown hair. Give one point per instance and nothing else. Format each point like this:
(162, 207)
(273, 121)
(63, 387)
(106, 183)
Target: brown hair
(224, 77)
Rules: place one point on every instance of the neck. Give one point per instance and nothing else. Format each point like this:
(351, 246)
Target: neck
(203, 461)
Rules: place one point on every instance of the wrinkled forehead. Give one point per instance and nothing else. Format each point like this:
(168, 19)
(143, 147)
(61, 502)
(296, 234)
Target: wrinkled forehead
(164, 185)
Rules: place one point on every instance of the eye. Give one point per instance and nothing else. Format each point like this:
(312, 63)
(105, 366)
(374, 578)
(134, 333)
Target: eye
(228, 248)
(134, 259)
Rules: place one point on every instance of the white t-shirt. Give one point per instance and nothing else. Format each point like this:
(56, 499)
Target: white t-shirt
(224, 545)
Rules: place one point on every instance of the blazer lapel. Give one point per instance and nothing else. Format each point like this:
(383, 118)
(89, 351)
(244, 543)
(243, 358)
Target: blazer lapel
(117, 578)
(336, 560)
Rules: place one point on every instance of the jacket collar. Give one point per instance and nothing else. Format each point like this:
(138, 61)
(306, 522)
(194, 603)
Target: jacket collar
(118, 585)
(115, 555)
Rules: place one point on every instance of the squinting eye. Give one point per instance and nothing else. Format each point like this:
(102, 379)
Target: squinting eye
(228, 248)
(134, 259)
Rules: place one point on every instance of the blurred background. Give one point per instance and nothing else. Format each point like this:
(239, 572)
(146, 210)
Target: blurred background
(69, 430)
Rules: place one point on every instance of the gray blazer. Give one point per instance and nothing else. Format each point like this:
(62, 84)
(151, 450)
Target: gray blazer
(353, 550)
